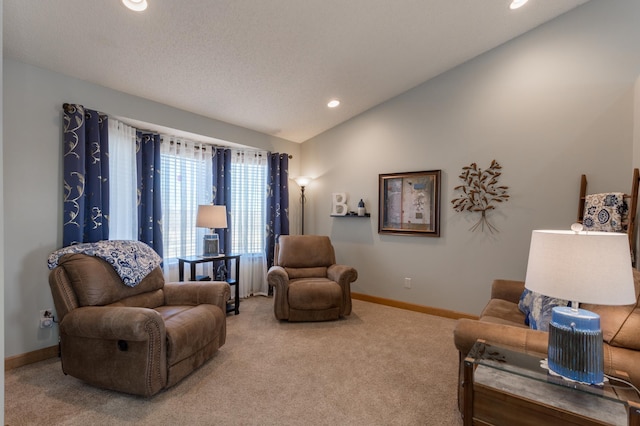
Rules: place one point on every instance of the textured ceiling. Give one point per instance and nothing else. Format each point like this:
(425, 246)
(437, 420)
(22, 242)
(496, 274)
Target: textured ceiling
(271, 65)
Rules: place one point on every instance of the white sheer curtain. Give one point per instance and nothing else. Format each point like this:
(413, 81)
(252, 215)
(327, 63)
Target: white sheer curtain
(186, 171)
(123, 210)
(248, 216)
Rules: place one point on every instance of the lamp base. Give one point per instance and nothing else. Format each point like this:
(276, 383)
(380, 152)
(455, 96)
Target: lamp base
(211, 245)
(575, 345)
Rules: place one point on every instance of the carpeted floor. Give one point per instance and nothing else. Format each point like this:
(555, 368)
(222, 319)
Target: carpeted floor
(380, 366)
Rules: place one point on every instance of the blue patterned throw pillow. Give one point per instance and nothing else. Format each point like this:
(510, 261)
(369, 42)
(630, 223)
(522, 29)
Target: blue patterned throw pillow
(537, 309)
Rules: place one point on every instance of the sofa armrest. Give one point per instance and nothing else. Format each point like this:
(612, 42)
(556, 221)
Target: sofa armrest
(197, 293)
(113, 323)
(468, 331)
(622, 362)
(508, 290)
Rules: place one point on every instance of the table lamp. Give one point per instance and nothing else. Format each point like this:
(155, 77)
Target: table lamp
(586, 267)
(212, 217)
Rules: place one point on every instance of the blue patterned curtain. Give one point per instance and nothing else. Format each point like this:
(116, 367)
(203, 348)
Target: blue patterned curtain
(149, 206)
(221, 191)
(85, 175)
(277, 202)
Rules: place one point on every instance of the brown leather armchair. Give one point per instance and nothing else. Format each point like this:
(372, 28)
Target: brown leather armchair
(137, 340)
(309, 285)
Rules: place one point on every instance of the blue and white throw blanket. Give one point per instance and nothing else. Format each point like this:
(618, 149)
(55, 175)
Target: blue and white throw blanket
(605, 212)
(132, 260)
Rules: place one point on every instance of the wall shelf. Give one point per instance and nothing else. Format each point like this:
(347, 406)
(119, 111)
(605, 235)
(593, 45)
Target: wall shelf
(351, 215)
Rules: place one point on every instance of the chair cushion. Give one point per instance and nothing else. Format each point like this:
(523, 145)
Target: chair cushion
(189, 329)
(96, 283)
(314, 294)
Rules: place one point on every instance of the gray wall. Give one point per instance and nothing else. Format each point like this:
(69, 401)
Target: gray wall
(32, 171)
(550, 105)
(1, 241)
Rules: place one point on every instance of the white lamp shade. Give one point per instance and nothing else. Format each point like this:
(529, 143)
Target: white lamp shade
(303, 181)
(210, 216)
(587, 267)
(136, 5)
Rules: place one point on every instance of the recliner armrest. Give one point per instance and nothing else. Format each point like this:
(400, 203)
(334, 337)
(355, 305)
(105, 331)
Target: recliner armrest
(113, 323)
(277, 277)
(197, 293)
(342, 274)
(509, 290)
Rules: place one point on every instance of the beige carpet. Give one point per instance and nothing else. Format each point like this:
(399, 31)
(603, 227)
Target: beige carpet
(380, 366)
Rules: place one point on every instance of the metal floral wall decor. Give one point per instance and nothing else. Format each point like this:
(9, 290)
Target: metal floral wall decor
(480, 192)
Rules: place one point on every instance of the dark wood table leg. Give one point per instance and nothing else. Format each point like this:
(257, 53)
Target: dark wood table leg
(180, 270)
(237, 260)
(634, 413)
(467, 412)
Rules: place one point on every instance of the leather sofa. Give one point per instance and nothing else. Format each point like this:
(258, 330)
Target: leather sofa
(137, 340)
(501, 322)
(308, 284)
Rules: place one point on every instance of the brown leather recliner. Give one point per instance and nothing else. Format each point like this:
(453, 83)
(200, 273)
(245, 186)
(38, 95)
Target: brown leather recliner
(309, 285)
(502, 323)
(137, 340)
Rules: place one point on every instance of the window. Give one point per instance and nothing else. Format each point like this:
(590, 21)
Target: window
(248, 198)
(186, 173)
(186, 182)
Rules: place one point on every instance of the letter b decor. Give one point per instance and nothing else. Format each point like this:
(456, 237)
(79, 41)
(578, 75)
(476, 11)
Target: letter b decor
(339, 204)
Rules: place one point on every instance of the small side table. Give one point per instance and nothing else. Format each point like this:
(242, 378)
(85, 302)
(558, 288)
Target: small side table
(505, 386)
(226, 258)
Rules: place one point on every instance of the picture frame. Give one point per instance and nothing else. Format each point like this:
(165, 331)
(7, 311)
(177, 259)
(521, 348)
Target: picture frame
(409, 203)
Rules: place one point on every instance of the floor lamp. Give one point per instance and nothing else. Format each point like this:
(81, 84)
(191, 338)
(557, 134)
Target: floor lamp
(302, 181)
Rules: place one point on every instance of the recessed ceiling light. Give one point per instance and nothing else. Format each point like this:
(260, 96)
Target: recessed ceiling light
(135, 5)
(517, 3)
(333, 103)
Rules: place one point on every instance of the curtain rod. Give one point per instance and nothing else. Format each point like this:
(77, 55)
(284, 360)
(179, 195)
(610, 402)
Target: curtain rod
(67, 105)
(257, 151)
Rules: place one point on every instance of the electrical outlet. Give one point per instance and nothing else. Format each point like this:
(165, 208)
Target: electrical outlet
(407, 283)
(46, 318)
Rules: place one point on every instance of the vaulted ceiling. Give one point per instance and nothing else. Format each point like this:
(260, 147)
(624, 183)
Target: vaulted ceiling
(271, 65)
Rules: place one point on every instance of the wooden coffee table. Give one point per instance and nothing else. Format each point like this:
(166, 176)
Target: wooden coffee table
(505, 386)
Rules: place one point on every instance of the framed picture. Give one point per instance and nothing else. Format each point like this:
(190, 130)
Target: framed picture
(409, 203)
